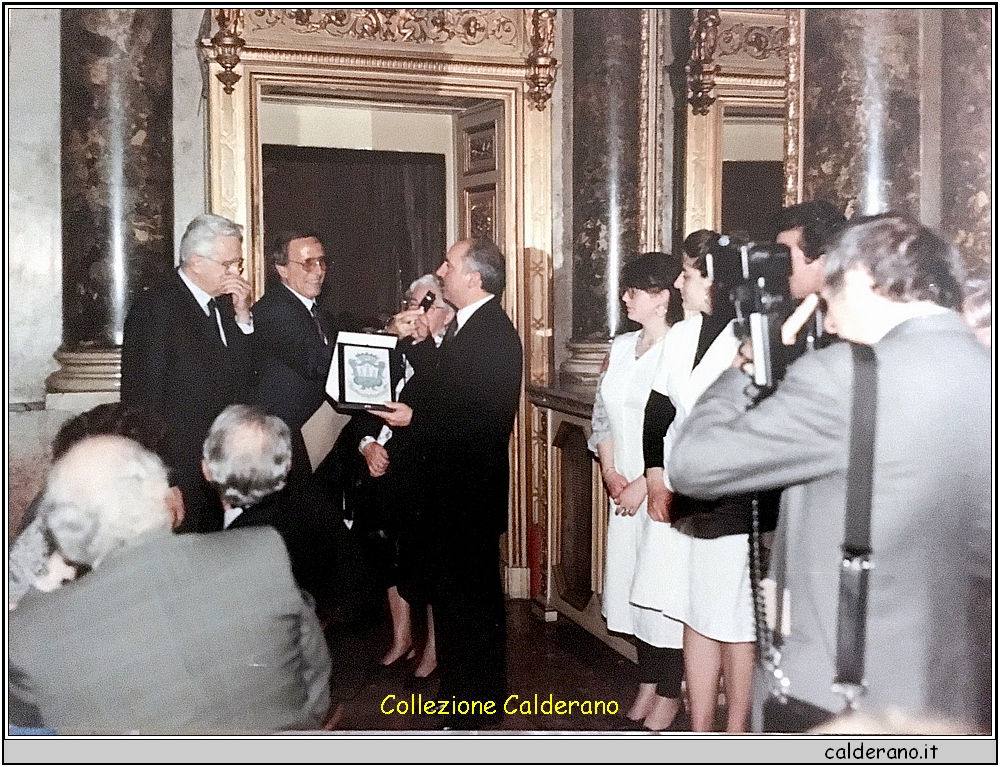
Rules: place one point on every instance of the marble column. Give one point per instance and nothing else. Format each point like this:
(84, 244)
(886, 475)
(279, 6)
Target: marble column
(966, 133)
(117, 181)
(606, 97)
(862, 119)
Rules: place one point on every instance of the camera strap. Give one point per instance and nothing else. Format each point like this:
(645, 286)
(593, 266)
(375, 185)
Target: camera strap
(852, 609)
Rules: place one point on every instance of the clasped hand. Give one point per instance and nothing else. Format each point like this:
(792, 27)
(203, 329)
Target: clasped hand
(409, 323)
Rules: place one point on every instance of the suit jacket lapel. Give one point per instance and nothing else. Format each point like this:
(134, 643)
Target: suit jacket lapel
(201, 324)
(301, 311)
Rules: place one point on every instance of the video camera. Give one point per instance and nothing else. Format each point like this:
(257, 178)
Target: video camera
(763, 303)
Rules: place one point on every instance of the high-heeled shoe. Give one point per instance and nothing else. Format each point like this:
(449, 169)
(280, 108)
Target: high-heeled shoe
(400, 662)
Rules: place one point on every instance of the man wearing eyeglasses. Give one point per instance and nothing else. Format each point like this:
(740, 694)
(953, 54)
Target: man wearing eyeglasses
(186, 354)
(293, 338)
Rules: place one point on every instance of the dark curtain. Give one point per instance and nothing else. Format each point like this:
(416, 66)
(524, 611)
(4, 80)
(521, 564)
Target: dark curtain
(380, 216)
(752, 193)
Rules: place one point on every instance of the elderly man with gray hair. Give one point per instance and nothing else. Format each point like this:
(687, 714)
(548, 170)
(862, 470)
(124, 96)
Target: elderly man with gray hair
(165, 633)
(186, 353)
(246, 458)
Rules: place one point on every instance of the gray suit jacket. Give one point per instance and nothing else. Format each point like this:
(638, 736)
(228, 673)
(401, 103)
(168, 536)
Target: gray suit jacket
(927, 649)
(178, 634)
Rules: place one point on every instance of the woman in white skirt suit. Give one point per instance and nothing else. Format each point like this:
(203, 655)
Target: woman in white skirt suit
(652, 301)
(702, 580)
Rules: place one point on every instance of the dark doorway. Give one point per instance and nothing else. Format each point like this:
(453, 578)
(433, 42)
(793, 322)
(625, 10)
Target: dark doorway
(751, 197)
(380, 215)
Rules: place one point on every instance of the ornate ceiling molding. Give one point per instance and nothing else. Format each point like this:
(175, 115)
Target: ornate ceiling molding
(758, 41)
(413, 26)
(521, 40)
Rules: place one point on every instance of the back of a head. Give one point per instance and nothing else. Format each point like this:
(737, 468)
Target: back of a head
(103, 495)
(248, 455)
(906, 260)
(143, 426)
(484, 256)
(718, 259)
(819, 221)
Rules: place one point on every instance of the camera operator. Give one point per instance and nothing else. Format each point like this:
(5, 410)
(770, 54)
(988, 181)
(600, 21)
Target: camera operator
(895, 286)
(807, 230)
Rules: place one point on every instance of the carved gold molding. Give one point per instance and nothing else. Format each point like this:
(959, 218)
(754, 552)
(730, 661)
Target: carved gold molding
(227, 44)
(793, 109)
(541, 64)
(406, 26)
(757, 64)
(701, 68)
(759, 41)
(650, 132)
(522, 38)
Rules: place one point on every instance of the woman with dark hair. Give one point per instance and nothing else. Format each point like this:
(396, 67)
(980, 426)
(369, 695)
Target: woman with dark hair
(652, 301)
(703, 579)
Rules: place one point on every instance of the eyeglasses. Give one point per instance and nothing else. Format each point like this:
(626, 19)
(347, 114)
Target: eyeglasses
(310, 264)
(226, 265)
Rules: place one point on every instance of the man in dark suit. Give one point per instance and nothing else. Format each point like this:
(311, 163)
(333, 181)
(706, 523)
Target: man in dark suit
(462, 419)
(293, 339)
(186, 354)
(180, 634)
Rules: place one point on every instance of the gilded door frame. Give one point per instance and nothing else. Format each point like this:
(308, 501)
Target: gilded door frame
(370, 54)
(759, 54)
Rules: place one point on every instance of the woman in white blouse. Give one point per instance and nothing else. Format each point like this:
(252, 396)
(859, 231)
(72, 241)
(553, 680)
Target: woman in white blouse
(702, 580)
(652, 301)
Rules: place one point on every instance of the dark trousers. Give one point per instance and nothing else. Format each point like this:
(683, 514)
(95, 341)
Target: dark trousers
(662, 665)
(470, 620)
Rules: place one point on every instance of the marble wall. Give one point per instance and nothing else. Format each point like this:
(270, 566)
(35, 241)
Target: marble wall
(862, 119)
(34, 315)
(966, 127)
(606, 80)
(190, 124)
(117, 167)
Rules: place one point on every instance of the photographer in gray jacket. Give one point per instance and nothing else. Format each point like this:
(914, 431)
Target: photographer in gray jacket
(895, 286)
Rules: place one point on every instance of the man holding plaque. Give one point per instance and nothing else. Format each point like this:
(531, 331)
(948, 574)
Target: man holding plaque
(462, 420)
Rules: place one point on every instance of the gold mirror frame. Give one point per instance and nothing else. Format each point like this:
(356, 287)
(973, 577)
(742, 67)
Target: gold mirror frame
(414, 57)
(758, 54)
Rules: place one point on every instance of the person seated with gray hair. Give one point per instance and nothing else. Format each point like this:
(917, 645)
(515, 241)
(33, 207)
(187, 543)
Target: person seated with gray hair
(246, 457)
(180, 634)
(33, 561)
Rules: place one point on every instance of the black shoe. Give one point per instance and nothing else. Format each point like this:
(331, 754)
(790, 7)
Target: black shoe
(390, 669)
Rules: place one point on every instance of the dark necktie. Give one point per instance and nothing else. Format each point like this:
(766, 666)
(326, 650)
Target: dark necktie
(450, 331)
(213, 309)
(315, 315)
